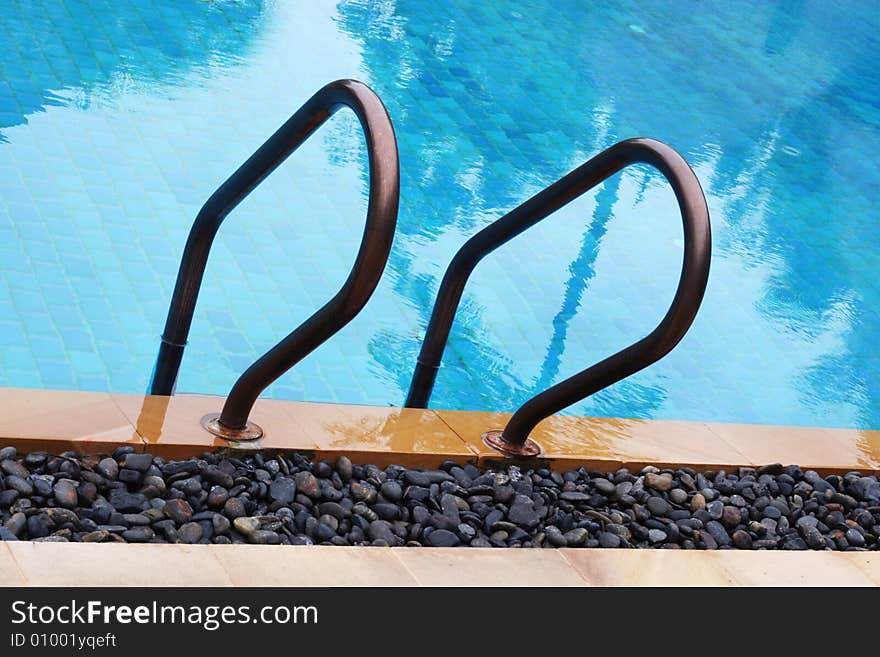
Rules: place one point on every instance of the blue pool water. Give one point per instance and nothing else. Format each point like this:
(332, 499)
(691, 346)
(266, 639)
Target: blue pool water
(118, 118)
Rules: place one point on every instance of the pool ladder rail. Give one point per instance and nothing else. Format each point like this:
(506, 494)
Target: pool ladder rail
(232, 422)
(384, 192)
(513, 440)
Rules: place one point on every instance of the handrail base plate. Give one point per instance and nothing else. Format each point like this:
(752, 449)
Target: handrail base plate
(211, 424)
(495, 440)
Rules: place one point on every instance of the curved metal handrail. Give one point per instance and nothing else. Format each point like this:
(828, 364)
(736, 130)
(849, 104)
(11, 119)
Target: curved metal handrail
(691, 287)
(349, 300)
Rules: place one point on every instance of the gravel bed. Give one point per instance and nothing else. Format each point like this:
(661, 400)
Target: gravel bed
(285, 499)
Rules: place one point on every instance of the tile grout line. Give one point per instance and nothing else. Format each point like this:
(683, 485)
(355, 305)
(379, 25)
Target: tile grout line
(17, 565)
(829, 431)
(574, 568)
(405, 567)
(746, 460)
(222, 565)
(132, 424)
(464, 442)
(862, 567)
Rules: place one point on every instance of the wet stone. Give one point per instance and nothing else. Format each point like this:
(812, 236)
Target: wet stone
(738, 501)
(730, 517)
(854, 537)
(604, 486)
(523, 513)
(14, 469)
(717, 531)
(805, 522)
(135, 519)
(217, 497)
(178, 510)
(22, 486)
(16, 523)
(138, 534)
(246, 525)
(416, 478)
(42, 484)
(114, 529)
(380, 530)
(283, 490)
(345, 468)
(217, 476)
(234, 508)
(130, 477)
(503, 493)
(660, 482)
(450, 508)
(715, 509)
(139, 462)
(124, 502)
(365, 492)
(153, 486)
(190, 532)
(657, 506)
(323, 532)
(656, 535)
(465, 532)
(442, 538)
(35, 460)
(8, 498)
(386, 511)
(264, 537)
(333, 509)
(65, 494)
(391, 491)
(97, 536)
(772, 512)
(221, 523)
(555, 537)
(575, 496)
(742, 540)
(813, 538)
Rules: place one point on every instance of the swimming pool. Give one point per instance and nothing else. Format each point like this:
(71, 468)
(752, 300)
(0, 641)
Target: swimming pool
(119, 118)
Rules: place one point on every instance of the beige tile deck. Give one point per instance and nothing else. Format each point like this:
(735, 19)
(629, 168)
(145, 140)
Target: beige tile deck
(865, 443)
(65, 564)
(561, 438)
(60, 420)
(97, 422)
(263, 565)
(642, 442)
(170, 426)
(377, 434)
(868, 563)
(488, 567)
(790, 568)
(828, 450)
(118, 564)
(647, 568)
(717, 568)
(10, 575)
(605, 443)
